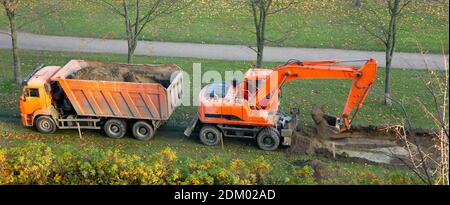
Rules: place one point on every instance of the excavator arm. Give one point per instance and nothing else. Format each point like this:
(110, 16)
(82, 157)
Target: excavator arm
(363, 79)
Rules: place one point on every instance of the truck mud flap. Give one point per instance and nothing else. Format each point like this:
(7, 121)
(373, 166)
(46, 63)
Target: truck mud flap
(190, 128)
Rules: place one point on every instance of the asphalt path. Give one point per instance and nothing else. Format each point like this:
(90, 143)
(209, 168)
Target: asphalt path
(216, 51)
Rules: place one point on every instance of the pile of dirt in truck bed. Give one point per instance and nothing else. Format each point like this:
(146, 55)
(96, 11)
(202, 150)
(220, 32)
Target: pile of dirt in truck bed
(379, 145)
(126, 73)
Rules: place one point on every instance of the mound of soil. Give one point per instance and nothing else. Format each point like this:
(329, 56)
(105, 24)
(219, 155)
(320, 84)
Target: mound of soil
(303, 143)
(368, 145)
(125, 73)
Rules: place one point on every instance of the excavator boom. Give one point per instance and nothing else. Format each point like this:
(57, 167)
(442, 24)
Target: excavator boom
(363, 79)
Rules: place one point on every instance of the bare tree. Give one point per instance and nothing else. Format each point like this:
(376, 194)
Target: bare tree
(384, 30)
(12, 12)
(261, 10)
(430, 164)
(10, 7)
(438, 89)
(138, 14)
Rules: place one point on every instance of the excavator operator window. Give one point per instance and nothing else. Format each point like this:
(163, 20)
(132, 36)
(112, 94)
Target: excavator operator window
(217, 90)
(253, 86)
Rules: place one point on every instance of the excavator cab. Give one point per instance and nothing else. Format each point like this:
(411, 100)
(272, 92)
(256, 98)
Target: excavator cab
(251, 89)
(253, 110)
(257, 84)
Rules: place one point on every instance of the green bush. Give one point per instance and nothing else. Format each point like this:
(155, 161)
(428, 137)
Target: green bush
(301, 175)
(36, 163)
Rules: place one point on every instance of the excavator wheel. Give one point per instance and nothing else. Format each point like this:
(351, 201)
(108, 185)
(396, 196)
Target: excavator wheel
(268, 139)
(210, 135)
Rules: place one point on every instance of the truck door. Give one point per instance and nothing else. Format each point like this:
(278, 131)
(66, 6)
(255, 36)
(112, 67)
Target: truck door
(30, 102)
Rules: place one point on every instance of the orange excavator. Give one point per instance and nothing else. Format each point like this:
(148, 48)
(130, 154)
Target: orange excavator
(250, 109)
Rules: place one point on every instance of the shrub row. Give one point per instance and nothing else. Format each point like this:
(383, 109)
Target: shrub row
(36, 163)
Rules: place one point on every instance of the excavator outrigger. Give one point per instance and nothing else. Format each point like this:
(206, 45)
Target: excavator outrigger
(251, 109)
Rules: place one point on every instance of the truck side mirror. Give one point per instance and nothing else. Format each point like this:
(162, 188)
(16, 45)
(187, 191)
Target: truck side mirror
(25, 93)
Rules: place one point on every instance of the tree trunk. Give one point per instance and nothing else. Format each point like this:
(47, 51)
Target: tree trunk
(390, 49)
(260, 24)
(259, 46)
(387, 80)
(130, 55)
(389, 55)
(259, 56)
(16, 59)
(131, 40)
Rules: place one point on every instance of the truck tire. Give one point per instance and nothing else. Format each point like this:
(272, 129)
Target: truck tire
(210, 135)
(45, 125)
(268, 139)
(115, 128)
(142, 130)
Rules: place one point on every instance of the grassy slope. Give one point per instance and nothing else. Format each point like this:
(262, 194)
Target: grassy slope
(12, 134)
(322, 24)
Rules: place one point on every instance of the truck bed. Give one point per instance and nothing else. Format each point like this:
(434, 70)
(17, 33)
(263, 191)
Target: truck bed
(131, 91)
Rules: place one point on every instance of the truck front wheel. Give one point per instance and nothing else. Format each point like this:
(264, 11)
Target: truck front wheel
(115, 128)
(45, 124)
(142, 130)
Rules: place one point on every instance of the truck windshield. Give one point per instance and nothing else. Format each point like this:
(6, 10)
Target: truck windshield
(31, 92)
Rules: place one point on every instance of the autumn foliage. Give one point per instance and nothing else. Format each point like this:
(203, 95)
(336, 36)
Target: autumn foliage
(36, 163)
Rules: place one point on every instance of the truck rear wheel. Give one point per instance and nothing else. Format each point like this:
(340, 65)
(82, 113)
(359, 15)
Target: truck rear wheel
(210, 135)
(45, 124)
(142, 130)
(115, 128)
(268, 139)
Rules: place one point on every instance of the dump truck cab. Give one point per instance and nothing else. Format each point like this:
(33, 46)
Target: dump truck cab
(35, 99)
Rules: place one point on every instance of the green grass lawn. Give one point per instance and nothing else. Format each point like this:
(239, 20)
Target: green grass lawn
(314, 23)
(301, 94)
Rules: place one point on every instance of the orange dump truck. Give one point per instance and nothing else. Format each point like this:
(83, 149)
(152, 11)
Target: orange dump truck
(94, 95)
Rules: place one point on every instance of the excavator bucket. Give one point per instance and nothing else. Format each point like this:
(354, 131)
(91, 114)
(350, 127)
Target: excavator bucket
(327, 126)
